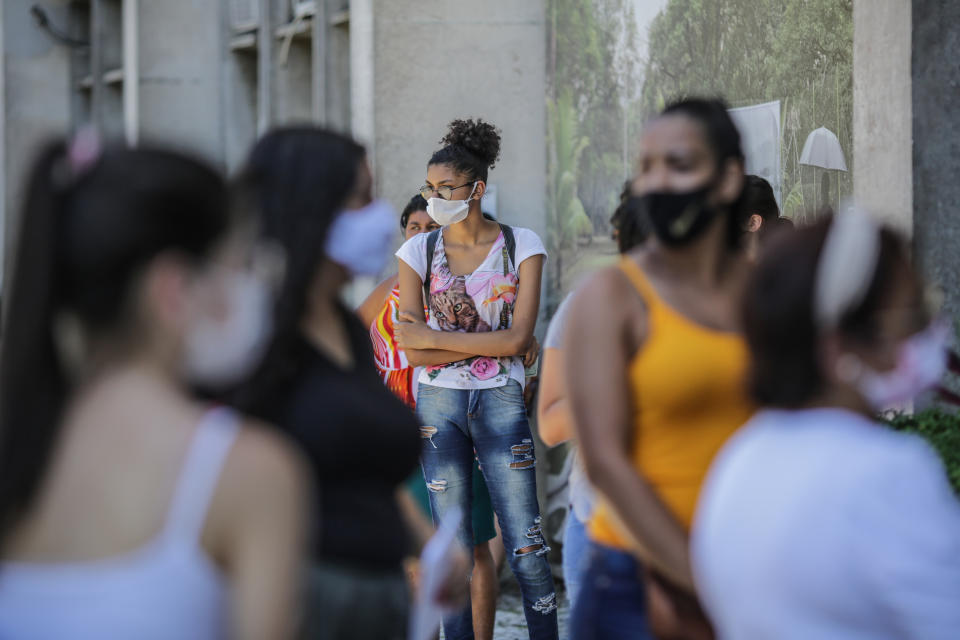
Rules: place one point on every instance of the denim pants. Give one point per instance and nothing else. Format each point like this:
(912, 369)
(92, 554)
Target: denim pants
(611, 604)
(492, 422)
(575, 556)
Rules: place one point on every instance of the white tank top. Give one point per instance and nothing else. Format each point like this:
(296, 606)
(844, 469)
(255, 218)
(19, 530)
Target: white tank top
(168, 588)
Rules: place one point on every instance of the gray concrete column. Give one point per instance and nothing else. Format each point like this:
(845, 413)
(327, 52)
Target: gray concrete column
(363, 75)
(36, 99)
(936, 144)
(181, 52)
(882, 134)
(436, 61)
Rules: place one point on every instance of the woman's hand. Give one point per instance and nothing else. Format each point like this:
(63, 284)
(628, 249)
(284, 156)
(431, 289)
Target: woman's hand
(531, 354)
(413, 333)
(456, 586)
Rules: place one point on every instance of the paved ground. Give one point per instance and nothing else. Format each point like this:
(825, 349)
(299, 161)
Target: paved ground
(511, 624)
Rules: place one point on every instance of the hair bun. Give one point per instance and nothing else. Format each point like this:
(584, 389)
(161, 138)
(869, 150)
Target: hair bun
(480, 138)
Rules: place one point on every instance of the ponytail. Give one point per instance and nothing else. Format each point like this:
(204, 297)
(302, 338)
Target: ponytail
(33, 384)
(91, 223)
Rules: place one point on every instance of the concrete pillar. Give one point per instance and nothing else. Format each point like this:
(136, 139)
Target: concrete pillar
(36, 100)
(882, 130)
(181, 50)
(433, 62)
(364, 73)
(936, 148)
(3, 166)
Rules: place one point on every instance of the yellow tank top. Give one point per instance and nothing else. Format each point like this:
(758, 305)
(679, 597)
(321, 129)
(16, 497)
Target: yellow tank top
(688, 396)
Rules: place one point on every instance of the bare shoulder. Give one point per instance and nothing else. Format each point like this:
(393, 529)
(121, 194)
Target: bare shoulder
(382, 289)
(608, 290)
(264, 461)
(607, 303)
(264, 486)
(374, 302)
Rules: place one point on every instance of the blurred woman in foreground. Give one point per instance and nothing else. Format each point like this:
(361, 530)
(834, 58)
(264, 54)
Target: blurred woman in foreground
(127, 509)
(381, 313)
(816, 521)
(313, 190)
(655, 363)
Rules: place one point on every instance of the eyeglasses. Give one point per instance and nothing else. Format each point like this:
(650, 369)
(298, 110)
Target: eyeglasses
(444, 191)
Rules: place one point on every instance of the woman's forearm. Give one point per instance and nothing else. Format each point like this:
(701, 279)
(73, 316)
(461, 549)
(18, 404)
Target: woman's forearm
(507, 342)
(420, 527)
(433, 357)
(655, 531)
(555, 423)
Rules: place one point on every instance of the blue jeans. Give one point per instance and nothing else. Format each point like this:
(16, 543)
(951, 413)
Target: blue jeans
(494, 423)
(574, 555)
(611, 604)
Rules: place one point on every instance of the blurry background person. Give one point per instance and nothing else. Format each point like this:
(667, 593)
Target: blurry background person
(380, 312)
(381, 309)
(313, 190)
(128, 510)
(555, 419)
(762, 213)
(483, 292)
(816, 521)
(655, 364)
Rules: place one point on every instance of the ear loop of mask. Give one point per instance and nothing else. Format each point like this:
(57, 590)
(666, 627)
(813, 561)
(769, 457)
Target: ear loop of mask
(847, 265)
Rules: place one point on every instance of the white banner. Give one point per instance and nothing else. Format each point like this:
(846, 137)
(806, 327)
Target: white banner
(759, 127)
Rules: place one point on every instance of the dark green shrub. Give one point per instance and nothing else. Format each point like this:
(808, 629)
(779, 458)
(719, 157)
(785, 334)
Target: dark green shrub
(941, 428)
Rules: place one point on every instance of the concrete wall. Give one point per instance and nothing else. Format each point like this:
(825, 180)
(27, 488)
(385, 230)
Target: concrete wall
(882, 134)
(3, 168)
(36, 98)
(936, 149)
(181, 49)
(434, 61)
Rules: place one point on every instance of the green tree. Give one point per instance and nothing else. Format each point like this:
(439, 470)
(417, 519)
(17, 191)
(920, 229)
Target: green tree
(797, 51)
(566, 218)
(593, 74)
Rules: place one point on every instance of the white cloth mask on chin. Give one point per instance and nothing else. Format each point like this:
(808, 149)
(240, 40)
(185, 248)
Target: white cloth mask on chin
(223, 352)
(921, 363)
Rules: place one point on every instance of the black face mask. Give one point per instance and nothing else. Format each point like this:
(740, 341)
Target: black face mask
(676, 219)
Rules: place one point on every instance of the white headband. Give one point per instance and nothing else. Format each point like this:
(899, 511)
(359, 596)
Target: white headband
(848, 262)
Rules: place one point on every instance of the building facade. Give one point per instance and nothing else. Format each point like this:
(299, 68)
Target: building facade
(210, 76)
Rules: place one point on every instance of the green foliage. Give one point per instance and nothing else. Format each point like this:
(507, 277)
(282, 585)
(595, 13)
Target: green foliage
(749, 51)
(566, 215)
(941, 429)
(793, 205)
(593, 69)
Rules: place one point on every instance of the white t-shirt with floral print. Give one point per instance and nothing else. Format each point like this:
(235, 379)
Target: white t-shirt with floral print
(470, 304)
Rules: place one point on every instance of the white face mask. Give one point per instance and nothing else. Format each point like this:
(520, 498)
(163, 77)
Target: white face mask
(359, 240)
(921, 363)
(447, 212)
(221, 353)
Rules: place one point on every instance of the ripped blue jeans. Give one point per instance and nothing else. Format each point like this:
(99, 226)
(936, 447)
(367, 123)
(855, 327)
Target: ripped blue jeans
(492, 422)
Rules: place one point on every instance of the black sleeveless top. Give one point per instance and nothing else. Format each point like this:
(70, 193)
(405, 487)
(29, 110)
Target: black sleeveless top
(362, 443)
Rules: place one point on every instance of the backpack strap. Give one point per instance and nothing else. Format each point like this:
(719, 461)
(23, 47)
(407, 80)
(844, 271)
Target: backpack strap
(431, 249)
(509, 250)
(510, 242)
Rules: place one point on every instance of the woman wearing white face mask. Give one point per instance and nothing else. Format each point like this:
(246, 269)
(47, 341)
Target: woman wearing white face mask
(483, 292)
(313, 191)
(380, 312)
(816, 522)
(128, 509)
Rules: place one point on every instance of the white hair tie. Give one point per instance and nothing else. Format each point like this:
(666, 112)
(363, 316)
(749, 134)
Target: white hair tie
(848, 262)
